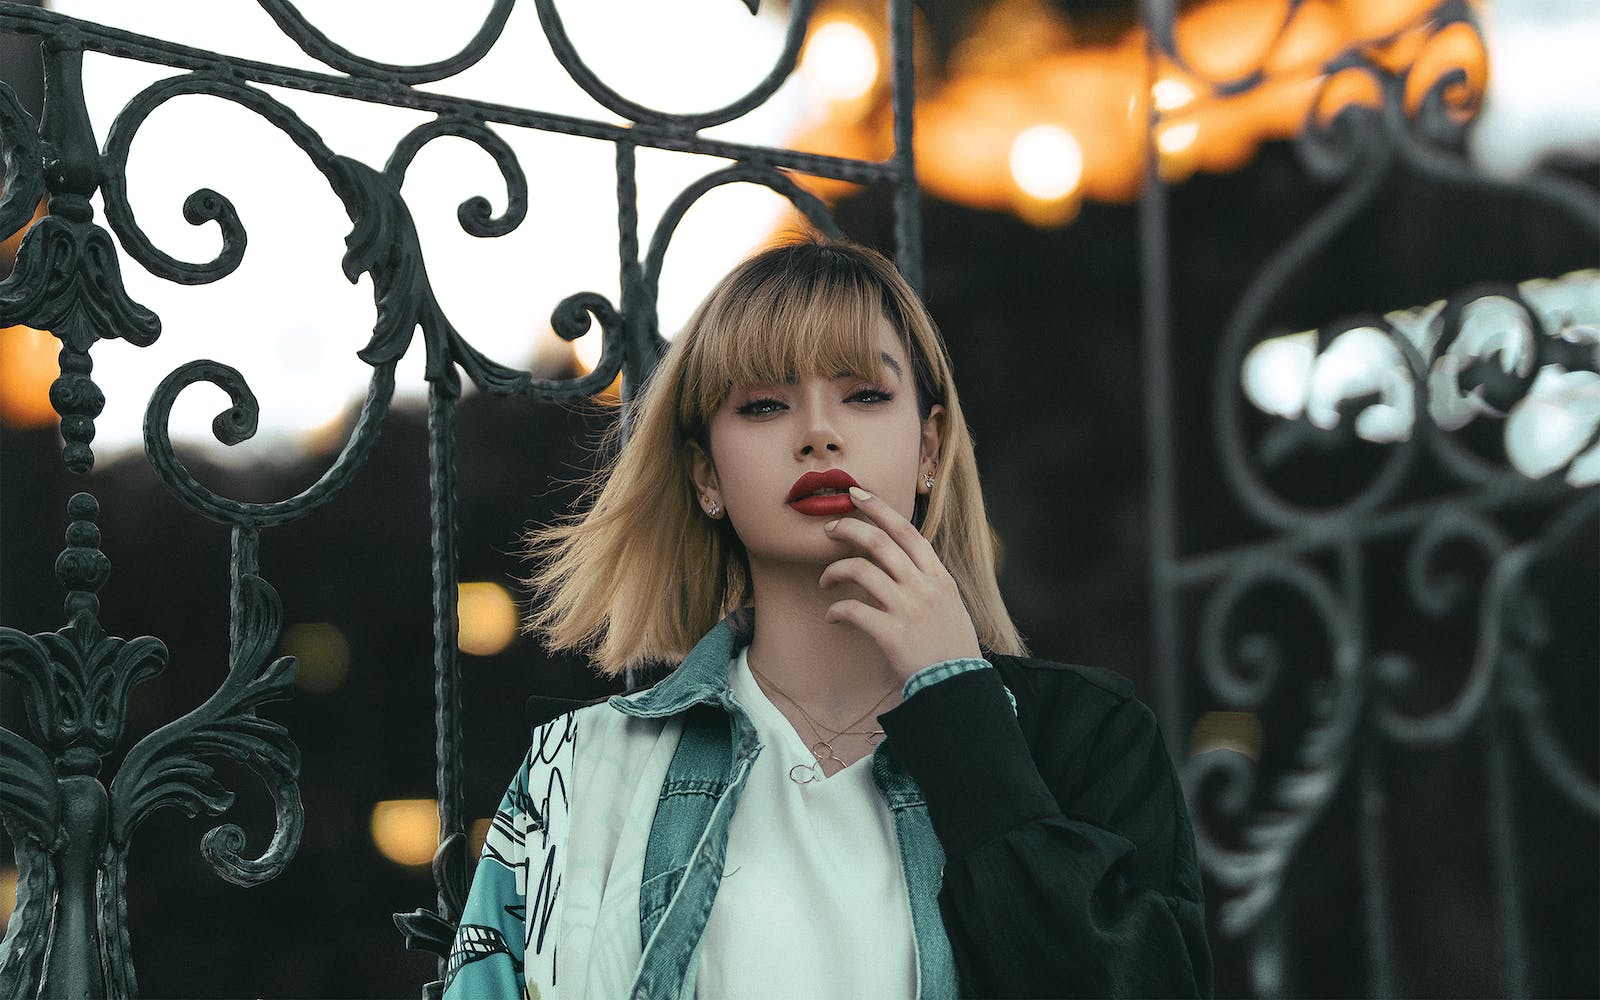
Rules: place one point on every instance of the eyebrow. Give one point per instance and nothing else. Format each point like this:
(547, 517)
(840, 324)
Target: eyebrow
(894, 366)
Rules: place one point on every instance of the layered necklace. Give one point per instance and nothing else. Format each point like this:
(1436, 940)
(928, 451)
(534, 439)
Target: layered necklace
(822, 748)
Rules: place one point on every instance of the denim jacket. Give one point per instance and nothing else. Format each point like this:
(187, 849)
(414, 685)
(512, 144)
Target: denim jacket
(689, 837)
(529, 899)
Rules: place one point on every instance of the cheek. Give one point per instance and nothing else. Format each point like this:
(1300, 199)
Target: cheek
(739, 464)
(905, 467)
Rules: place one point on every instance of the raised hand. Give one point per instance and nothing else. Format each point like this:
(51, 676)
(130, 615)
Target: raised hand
(919, 619)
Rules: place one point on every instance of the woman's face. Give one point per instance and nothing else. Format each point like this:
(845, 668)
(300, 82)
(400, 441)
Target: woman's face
(767, 438)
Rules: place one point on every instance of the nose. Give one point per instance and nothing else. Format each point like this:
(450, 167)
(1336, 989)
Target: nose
(812, 447)
(818, 434)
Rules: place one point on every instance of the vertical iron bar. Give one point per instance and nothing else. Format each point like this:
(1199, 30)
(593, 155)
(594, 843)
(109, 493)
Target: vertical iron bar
(1162, 460)
(246, 547)
(634, 293)
(638, 314)
(1502, 832)
(1370, 809)
(1374, 882)
(446, 658)
(1267, 969)
(907, 196)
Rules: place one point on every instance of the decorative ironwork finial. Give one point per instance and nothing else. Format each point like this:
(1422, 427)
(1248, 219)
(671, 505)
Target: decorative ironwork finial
(82, 568)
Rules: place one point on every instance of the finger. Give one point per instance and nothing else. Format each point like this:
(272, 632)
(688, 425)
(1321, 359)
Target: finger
(876, 624)
(865, 574)
(877, 545)
(902, 531)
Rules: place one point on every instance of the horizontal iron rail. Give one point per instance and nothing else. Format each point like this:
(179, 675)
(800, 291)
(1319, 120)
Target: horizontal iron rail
(143, 48)
(1509, 492)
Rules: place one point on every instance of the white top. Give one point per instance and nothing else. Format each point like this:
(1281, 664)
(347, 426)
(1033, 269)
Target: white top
(812, 901)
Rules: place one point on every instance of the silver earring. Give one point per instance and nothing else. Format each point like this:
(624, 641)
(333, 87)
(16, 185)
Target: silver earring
(712, 508)
(928, 480)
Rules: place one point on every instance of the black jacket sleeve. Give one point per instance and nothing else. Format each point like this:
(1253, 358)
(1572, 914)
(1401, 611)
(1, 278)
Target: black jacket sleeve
(1070, 867)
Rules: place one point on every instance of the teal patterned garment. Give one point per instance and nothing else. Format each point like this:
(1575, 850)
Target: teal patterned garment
(504, 946)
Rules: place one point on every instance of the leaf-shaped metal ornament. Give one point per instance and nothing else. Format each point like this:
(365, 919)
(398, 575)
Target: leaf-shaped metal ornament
(427, 930)
(384, 244)
(30, 802)
(67, 281)
(430, 931)
(75, 682)
(165, 768)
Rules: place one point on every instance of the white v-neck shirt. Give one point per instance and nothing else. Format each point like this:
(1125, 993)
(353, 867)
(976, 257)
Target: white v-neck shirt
(813, 900)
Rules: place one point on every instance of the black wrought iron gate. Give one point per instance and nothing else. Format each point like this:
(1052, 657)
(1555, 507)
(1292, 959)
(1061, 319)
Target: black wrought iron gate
(68, 935)
(1375, 609)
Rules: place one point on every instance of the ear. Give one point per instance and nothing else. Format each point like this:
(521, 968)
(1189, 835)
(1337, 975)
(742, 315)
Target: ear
(932, 436)
(703, 473)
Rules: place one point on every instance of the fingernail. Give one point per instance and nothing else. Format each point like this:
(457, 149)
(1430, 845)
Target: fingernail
(830, 525)
(857, 493)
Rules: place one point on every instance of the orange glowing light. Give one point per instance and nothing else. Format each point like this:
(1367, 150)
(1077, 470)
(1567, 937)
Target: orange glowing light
(1046, 162)
(840, 60)
(1177, 146)
(406, 831)
(486, 618)
(8, 892)
(1229, 39)
(1022, 69)
(1310, 40)
(27, 368)
(1346, 89)
(1376, 19)
(1455, 49)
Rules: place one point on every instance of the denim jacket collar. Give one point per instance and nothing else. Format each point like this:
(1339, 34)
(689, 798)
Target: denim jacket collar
(702, 677)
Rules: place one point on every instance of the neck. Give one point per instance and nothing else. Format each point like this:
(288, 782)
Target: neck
(835, 671)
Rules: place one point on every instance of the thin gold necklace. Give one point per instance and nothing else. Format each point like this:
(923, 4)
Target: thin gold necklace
(822, 749)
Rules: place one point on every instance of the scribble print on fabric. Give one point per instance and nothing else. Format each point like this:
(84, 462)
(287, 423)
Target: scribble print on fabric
(474, 943)
(535, 804)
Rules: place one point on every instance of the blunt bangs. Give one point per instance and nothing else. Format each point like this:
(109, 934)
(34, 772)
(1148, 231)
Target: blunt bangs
(808, 307)
(783, 317)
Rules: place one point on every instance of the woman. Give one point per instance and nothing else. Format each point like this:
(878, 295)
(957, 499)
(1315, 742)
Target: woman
(854, 784)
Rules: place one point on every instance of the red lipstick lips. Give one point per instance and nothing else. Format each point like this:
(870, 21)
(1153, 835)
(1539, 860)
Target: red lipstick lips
(804, 495)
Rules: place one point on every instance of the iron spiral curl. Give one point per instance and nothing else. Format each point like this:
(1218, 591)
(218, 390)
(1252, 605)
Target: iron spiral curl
(1528, 629)
(474, 214)
(204, 205)
(748, 172)
(567, 54)
(299, 29)
(1438, 593)
(1295, 798)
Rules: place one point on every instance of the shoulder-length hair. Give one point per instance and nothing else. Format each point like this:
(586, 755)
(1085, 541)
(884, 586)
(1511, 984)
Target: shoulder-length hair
(642, 574)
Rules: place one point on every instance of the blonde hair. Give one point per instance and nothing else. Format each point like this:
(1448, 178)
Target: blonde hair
(643, 573)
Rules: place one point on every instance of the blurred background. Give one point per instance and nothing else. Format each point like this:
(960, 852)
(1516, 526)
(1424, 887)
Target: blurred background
(1302, 437)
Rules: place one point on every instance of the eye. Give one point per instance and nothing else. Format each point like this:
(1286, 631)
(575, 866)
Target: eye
(871, 394)
(760, 406)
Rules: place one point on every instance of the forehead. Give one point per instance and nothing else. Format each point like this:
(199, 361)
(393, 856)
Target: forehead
(882, 353)
(764, 338)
